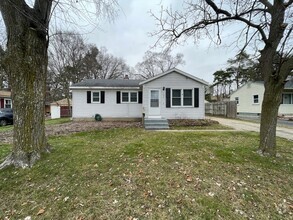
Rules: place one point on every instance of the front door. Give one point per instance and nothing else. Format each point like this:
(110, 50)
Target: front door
(154, 104)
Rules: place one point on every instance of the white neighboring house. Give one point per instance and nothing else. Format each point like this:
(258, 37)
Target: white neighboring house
(249, 98)
(170, 95)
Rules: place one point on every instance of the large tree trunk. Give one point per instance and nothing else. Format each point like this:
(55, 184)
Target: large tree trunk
(269, 114)
(28, 83)
(274, 79)
(26, 62)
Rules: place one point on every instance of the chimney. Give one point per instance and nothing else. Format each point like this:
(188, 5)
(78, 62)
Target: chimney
(126, 77)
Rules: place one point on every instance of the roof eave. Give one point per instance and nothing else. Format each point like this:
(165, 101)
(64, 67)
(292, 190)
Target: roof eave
(103, 87)
(178, 71)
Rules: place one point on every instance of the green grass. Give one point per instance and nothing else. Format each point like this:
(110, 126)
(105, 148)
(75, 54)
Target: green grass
(47, 122)
(6, 128)
(132, 173)
(57, 121)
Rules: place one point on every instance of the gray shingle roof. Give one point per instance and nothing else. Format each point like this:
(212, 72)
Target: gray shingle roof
(107, 83)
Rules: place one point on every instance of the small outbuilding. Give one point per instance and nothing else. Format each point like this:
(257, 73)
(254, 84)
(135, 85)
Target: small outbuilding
(61, 108)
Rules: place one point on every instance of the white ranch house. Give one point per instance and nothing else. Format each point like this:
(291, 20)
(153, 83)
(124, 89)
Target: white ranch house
(170, 95)
(249, 98)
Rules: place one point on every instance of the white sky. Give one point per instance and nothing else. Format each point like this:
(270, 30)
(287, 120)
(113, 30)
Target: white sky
(128, 37)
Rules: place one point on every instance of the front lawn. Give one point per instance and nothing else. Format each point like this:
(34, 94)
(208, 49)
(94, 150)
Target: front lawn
(129, 173)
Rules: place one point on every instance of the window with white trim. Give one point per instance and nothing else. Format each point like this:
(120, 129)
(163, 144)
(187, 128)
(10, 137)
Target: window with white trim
(182, 97)
(7, 103)
(187, 97)
(129, 97)
(176, 97)
(255, 99)
(287, 98)
(237, 100)
(133, 97)
(96, 97)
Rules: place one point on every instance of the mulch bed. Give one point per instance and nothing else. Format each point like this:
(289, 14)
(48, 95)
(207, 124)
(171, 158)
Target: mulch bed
(80, 126)
(74, 127)
(191, 122)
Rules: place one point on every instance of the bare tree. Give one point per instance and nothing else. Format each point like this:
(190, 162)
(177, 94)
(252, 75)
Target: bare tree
(3, 74)
(111, 67)
(155, 63)
(66, 55)
(27, 30)
(67, 52)
(267, 26)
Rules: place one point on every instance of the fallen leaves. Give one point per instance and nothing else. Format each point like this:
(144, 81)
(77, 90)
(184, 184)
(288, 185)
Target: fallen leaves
(188, 178)
(66, 199)
(41, 211)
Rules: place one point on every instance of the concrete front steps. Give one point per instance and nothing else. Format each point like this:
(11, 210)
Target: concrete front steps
(156, 124)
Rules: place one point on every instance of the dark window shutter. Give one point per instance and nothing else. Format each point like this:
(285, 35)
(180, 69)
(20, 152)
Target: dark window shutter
(118, 97)
(140, 97)
(102, 96)
(196, 97)
(89, 96)
(168, 97)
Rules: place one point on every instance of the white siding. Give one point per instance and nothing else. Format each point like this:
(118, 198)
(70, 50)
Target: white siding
(174, 81)
(246, 105)
(245, 95)
(55, 111)
(109, 109)
(286, 109)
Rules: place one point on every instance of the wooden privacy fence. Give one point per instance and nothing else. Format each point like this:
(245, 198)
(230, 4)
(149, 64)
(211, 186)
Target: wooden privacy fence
(226, 108)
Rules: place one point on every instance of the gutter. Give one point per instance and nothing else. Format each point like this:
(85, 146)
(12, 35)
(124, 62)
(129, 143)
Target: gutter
(104, 88)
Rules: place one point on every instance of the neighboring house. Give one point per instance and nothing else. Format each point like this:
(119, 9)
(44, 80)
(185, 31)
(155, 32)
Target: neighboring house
(249, 98)
(60, 109)
(170, 95)
(5, 99)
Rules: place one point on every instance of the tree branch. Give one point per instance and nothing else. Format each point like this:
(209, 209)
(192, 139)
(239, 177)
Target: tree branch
(287, 4)
(238, 17)
(216, 9)
(266, 3)
(43, 8)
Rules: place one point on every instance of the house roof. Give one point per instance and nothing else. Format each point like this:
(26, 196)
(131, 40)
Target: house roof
(177, 71)
(62, 102)
(106, 83)
(5, 94)
(289, 83)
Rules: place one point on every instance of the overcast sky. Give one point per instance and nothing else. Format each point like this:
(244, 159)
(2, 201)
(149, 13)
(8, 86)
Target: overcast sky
(128, 37)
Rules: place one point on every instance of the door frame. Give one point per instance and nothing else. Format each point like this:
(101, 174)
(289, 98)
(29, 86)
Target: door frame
(154, 112)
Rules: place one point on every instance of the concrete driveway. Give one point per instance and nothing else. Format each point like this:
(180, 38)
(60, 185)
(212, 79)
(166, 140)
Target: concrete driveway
(240, 125)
